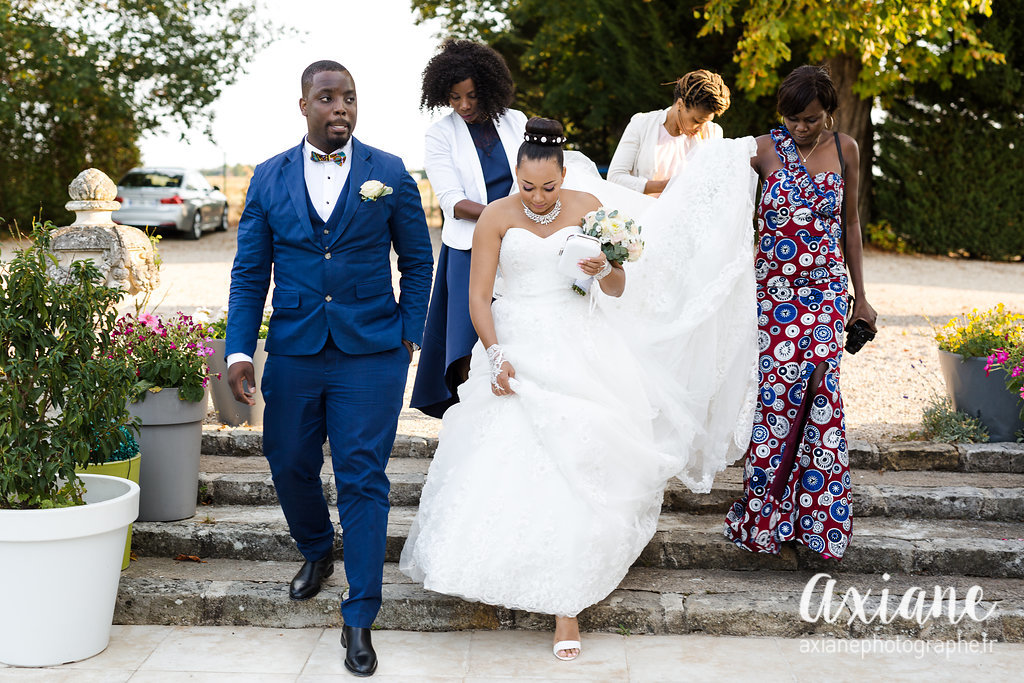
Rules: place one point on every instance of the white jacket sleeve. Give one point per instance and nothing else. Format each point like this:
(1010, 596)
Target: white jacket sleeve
(439, 164)
(622, 168)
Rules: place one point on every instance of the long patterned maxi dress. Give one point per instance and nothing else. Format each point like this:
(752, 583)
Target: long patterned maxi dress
(797, 474)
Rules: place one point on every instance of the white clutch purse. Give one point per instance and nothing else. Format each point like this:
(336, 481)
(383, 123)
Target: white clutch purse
(577, 247)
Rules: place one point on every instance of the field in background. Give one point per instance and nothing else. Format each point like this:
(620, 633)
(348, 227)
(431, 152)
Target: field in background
(236, 187)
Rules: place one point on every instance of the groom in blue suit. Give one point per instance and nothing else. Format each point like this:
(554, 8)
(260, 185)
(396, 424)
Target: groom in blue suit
(322, 217)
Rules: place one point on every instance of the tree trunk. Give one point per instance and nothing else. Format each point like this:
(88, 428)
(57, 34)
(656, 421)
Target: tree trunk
(853, 117)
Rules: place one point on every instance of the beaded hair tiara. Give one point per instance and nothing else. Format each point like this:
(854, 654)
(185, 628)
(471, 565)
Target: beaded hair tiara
(544, 139)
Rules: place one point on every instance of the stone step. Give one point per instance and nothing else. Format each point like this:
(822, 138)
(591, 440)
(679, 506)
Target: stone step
(714, 602)
(228, 480)
(902, 455)
(683, 541)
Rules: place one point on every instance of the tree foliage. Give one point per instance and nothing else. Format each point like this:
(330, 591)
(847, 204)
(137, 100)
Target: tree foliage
(81, 80)
(898, 43)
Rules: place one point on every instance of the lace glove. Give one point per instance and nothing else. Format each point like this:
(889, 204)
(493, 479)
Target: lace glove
(603, 273)
(497, 359)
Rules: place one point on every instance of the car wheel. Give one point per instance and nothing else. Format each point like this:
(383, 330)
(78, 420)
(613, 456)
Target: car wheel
(223, 225)
(197, 227)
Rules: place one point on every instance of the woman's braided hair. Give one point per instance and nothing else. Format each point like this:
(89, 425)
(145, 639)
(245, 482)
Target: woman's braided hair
(703, 89)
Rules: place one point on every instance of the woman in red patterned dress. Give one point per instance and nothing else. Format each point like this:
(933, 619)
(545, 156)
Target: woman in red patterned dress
(797, 474)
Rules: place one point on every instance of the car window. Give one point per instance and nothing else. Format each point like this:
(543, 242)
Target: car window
(136, 179)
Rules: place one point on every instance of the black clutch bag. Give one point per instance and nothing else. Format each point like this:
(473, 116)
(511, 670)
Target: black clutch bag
(858, 333)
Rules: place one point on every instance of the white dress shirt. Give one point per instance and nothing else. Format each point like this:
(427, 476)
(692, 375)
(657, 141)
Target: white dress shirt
(325, 179)
(324, 183)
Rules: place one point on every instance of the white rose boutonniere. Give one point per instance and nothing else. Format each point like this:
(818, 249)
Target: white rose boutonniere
(372, 190)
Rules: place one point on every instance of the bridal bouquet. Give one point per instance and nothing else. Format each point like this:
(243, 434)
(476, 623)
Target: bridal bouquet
(619, 236)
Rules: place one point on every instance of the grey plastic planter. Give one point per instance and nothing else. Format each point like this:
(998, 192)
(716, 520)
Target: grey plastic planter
(985, 398)
(230, 411)
(170, 440)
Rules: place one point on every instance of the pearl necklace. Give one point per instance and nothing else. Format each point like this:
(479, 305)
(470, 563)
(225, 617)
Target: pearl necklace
(546, 218)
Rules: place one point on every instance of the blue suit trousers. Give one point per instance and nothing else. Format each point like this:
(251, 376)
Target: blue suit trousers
(354, 401)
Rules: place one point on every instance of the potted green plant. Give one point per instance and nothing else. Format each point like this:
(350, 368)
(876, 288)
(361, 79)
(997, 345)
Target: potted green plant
(230, 411)
(62, 534)
(168, 359)
(976, 356)
(124, 462)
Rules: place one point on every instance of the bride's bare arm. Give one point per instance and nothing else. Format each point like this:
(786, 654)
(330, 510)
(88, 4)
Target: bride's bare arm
(484, 266)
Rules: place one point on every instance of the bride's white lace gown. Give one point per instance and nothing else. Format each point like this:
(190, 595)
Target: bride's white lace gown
(541, 501)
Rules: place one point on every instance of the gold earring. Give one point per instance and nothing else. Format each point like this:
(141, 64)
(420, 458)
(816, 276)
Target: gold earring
(831, 121)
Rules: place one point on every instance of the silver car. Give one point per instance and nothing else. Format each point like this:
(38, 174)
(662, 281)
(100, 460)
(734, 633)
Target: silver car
(171, 197)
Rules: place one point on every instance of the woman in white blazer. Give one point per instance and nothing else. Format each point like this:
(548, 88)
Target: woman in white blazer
(470, 161)
(654, 146)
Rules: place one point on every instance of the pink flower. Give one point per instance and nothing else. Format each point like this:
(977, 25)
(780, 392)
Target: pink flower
(149, 320)
(173, 345)
(1002, 356)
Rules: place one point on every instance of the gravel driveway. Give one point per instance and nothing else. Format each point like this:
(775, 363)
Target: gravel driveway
(885, 386)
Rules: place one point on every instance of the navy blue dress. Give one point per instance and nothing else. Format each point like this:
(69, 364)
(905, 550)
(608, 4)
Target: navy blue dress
(449, 334)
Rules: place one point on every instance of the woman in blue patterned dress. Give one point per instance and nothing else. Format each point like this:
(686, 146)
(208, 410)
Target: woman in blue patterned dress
(797, 475)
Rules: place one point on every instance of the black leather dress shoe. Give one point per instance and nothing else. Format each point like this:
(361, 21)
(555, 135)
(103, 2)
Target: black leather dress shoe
(306, 583)
(360, 659)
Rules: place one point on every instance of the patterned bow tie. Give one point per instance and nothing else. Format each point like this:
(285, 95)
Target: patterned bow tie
(338, 158)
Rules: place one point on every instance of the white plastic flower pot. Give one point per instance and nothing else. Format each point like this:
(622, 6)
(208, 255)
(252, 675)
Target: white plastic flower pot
(59, 574)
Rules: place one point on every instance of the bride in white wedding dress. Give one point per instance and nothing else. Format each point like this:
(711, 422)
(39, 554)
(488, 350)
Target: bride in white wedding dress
(548, 477)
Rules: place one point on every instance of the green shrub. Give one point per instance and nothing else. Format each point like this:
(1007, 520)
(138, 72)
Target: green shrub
(950, 156)
(947, 184)
(942, 423)
(62, 397)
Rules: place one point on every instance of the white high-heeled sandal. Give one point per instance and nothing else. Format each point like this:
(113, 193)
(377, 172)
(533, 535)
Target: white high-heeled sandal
(568, 645)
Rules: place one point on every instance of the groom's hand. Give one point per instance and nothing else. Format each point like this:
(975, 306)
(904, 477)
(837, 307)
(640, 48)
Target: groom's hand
(242, 381)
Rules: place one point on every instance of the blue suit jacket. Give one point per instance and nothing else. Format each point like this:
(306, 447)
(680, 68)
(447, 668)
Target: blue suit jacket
(344, 288)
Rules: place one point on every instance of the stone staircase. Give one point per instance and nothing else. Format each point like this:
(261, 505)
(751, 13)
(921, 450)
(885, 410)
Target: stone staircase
(926, 515)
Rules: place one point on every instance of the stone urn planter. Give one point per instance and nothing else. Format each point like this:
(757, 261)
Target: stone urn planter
(125, 469)
(59, 574)
(984, 397)
(230, 411)
(170, 441)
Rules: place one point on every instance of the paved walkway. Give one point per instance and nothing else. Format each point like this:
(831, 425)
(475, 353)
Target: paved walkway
(166, 654)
